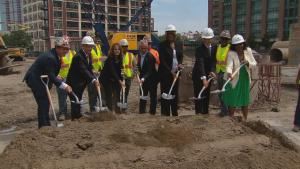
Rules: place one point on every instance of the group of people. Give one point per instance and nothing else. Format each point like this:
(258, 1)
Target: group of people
(72, 72)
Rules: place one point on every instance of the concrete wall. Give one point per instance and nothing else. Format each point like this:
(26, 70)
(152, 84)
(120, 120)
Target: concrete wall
(294, 47)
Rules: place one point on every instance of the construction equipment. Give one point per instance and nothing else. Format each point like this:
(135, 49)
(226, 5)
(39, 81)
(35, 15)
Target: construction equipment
(202, 90)
(142, 97)
(168, 96)
(5, 61)
(17, 54)
(50, 99)
(229, 79)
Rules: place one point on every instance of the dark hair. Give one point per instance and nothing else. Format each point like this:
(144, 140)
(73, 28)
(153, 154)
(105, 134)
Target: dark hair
(232, 47)
(111, 51)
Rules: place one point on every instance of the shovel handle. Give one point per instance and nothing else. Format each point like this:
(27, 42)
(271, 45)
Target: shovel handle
(233, 74)
(174, 81)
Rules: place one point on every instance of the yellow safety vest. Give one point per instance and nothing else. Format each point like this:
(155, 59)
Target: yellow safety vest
(221, 58)
(96, 58)
(65, 64)
(128, 64)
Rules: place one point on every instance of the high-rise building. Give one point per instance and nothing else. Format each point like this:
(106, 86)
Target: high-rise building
(254, 18)
(10, 14)
(49, 19)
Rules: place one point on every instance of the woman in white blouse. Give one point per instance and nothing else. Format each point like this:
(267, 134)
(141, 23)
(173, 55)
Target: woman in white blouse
(239, 62)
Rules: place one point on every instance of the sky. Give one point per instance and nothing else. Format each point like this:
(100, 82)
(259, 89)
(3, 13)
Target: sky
(186, 15)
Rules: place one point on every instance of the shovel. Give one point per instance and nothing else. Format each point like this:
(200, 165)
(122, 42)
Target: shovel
(142, 97)
(101, 108)
(121, 104)
(80, 102)
(202, 90)
(229, 79)
(77, 101)
(168, 96)
(50, 99)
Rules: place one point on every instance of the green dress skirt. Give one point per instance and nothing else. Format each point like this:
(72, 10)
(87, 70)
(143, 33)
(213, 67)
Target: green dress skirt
(240, 95)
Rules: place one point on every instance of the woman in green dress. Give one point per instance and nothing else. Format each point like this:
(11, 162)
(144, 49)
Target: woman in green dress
(239, 62)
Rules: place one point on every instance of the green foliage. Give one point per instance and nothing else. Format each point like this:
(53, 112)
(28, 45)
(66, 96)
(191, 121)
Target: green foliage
(18, 39)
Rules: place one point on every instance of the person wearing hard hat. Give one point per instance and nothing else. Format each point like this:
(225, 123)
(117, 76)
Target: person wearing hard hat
(62, 94)
(128, 66)
(171, 56)
(47, 64)
(153, 52)
(204, 69)
(147, 75)
(97, 63)
(81, 74)
(239, 62)
(222, 51)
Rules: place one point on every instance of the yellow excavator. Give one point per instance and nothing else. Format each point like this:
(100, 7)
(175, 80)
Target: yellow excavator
(6, 57)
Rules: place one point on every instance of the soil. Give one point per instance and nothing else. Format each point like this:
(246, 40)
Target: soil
(137, 141)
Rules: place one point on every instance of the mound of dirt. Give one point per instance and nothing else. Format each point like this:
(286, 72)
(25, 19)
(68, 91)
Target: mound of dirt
(149, 142)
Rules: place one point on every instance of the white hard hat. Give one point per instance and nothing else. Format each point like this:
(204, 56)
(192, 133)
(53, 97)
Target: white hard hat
(87, 40)
(170, 28)
(62, 41)
(207, 33)
(123, 42)
(236, 39)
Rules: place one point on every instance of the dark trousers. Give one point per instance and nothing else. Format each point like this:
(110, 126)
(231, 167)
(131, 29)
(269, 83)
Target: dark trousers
(127, 84)
(75, 108)
(221, 81)
(92, 94)
(202, 105)
(152, 90)
(41, 98)
(168, 106)
(297, 112)
(112, 95)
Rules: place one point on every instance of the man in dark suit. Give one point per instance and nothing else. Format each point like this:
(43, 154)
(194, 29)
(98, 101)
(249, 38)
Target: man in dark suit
(146, 67)
(203, 68)
(171, 56)
(81, 74)
(47, 64)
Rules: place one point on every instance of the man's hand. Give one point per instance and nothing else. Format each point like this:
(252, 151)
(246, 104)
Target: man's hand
(96, 83)
(230, 76)
(68, 89)
(205, 83)
(122, 83)
(59, 77)
(212, 74)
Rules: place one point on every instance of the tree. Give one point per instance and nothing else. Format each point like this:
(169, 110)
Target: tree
(178, 37)
(18, 39)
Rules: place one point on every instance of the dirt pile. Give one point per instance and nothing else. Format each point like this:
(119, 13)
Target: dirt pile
(149, 142)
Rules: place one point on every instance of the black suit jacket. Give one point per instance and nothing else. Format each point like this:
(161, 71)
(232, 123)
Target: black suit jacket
(111, 71)
(166, 57)
(205, 61)
(80, 73)
(147, 70)
(46, 64)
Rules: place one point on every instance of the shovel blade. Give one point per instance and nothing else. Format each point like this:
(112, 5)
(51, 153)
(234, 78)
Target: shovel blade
(59, 125)
(101, 109)
(122, 105)
(167, 96)
(144, 97)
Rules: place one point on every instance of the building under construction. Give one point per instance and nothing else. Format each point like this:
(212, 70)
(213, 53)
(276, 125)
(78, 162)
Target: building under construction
(49, 19)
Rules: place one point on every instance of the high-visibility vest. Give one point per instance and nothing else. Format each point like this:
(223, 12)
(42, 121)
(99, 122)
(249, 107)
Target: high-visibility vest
(128, 64)
(156, 55)
(221, 58)
(96, 58)
(65, 64)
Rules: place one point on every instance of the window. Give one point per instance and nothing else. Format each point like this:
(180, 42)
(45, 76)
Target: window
(85, 25)
(58, 33)
(272, 20)
(57, 24)
(57, 14)
(72, 5)
(72, 24)
(73, 15)
(57, 4)
(73, 33)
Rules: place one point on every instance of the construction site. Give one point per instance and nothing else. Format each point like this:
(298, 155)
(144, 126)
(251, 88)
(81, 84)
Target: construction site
(110, 140)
